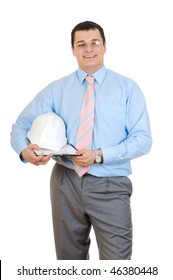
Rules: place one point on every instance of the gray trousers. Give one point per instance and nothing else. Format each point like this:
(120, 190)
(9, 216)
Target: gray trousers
(79, 203)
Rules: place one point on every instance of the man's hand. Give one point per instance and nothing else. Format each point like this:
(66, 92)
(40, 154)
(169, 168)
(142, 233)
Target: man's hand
(85, 158)
(29, 155)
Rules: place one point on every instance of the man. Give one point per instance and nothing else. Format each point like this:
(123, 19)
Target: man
(98, 194)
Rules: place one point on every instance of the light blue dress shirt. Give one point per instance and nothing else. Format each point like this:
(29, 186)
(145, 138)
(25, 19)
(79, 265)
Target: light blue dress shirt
(121, 128)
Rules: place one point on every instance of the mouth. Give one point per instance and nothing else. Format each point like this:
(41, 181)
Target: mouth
(89, 56)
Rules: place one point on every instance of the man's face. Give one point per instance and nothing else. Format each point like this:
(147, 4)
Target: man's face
(89, 50)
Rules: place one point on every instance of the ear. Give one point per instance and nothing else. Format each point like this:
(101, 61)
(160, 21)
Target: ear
(104, 47)
(73, 51)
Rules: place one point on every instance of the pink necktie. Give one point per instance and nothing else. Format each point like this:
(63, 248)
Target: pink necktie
(86, 123)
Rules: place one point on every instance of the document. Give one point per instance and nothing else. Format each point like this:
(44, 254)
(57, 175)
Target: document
(67, 150)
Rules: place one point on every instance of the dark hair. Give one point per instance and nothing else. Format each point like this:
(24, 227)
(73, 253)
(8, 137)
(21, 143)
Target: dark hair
(87, 25)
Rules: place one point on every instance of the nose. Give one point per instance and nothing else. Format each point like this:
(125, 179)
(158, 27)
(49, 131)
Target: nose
(89, 47)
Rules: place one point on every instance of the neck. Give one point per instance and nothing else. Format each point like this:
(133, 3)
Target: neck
(91, 70)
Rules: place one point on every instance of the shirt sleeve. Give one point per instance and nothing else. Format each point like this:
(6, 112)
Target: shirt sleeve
(138, 139)
(42, 103)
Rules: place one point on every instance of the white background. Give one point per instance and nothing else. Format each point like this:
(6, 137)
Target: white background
(35, 50)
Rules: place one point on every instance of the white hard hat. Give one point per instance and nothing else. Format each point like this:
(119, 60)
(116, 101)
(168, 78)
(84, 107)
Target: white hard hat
(48, 132)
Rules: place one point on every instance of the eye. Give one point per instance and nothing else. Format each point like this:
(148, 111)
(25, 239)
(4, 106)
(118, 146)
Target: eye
(96, 43)
(81, 45)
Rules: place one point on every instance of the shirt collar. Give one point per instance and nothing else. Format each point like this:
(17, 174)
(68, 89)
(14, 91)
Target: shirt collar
(98, 76)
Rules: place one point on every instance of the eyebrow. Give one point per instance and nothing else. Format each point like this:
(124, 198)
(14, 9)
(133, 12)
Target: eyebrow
(82, 41)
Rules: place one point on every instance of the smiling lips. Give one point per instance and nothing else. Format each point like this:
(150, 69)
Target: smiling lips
(86, 56)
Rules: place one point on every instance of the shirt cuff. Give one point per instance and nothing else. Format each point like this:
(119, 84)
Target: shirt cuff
(21, 158)
(111, 155)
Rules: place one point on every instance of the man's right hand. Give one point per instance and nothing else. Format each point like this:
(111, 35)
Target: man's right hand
(29, 155)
